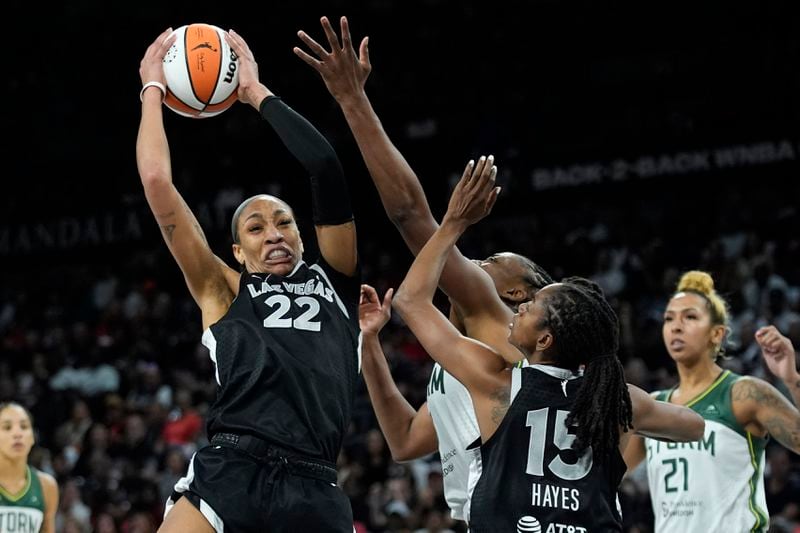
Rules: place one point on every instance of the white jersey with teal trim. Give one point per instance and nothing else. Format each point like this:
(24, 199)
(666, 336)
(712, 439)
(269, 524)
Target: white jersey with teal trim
(715, 483)
(453, 413)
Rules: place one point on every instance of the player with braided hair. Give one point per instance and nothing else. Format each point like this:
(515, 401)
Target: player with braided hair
(717, 483)
(597, 417)
(552, 438)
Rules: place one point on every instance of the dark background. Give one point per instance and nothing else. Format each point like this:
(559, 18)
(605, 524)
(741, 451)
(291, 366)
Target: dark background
(539, 84)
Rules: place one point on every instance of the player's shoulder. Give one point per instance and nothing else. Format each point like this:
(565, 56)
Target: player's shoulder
(47, 480)
(751, 388)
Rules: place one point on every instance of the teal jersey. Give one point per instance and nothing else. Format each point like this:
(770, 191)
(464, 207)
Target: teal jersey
(23, 512)
(715, 483)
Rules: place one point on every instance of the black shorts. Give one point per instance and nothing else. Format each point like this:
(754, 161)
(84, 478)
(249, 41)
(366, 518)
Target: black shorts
(239, 492)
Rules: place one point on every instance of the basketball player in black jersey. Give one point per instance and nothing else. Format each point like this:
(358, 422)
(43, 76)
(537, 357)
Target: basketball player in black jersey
(283, 334)
(552, 437)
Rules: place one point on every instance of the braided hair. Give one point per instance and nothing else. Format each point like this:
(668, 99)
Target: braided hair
(586, 332)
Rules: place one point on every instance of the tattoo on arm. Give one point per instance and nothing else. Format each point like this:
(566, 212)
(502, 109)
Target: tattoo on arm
(168, 230)
(780, 417)
(785, 430)
(747, 390)
(500, 398)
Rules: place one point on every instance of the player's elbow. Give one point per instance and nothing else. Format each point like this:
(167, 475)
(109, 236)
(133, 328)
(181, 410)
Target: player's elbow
(416, 224)
(153, 177)
(402, 302)
(402, 455)
(404, 452)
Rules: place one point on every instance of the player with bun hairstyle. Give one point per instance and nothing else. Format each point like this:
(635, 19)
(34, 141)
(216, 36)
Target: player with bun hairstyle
(551, 437)
(28, 497)
(283, 334)
(717, 483)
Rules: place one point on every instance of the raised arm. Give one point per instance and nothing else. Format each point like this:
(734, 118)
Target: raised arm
(333, 216)
(205, 275)
(409, 432)
(345, 73)
(471, 362)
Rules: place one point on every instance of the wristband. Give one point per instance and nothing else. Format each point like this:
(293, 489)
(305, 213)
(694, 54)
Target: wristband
(153, 84)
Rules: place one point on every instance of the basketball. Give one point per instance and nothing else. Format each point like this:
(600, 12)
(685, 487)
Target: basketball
(200, 70)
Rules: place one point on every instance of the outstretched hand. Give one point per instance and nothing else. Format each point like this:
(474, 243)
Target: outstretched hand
(778, 353)
(475, 194)
(373, 313)
(344, 74)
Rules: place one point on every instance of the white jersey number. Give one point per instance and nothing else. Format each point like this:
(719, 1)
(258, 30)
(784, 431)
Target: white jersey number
(281, 304)
(562, 438)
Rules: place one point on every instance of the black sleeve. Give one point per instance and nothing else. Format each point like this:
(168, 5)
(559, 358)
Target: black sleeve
(329, 196)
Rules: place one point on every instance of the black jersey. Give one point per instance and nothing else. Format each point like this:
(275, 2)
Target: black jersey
(531, 479)
(287, 359)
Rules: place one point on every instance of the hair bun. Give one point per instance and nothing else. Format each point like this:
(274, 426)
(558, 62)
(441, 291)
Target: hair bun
(698, 281)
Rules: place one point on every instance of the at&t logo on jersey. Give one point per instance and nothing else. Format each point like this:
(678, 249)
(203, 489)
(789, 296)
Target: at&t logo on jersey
(529, 524)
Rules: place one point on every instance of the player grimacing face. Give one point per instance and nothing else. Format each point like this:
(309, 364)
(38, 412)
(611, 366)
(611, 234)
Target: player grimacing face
(269, 240)
(687, 331)
(16, 432)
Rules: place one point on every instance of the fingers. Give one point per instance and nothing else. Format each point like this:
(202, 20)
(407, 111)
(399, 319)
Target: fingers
(765, 330)
(159, 43)
(333, 39)
(478, 178)
(484, 175)
(313, 45)
(310, 61)
(166, 43)
(490, 201)
(387, 299)
(466, 176)
(768, 337)
(368, 293)
(363, 52)
(238, 44)
(347, 43)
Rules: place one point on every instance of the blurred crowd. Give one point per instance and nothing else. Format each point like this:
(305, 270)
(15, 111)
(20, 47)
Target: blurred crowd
(107, 356)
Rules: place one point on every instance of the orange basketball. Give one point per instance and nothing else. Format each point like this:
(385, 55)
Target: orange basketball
(200, 70)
